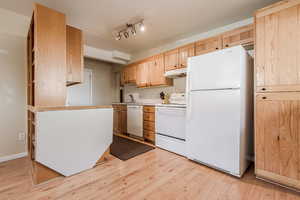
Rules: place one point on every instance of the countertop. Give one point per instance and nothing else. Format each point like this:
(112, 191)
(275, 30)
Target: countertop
(56, 108)
(153, 104)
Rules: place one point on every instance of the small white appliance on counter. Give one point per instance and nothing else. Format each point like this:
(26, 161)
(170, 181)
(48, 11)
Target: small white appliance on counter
(219, 109)
(170, 124)
(135, 120)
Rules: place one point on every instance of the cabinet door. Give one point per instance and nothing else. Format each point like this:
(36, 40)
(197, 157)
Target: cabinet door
(277, 137)
(142, 78)
(50, 57)
(157, 71)
(132, 73)
(123, 121)
(119, 122)
(171, 60)
(184, 53)
(74, 56)
(116, 121)
(240, 36)
(149, 135)
(208, 45)
(277, 50)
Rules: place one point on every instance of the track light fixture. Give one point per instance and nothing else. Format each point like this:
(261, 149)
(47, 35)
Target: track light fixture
(130, 28)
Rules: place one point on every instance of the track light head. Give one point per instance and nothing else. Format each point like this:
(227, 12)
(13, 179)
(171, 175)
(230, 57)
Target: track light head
(119, 36)
(142, 27)
(132, 29)
(126, 34)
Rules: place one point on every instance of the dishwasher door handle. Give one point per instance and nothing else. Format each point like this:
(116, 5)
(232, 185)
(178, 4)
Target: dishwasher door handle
(134, 107)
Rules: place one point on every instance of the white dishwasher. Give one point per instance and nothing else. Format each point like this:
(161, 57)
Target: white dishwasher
(170, 128)
(135, 120)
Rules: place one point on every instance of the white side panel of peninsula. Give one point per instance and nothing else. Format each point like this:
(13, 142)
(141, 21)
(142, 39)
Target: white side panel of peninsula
(71, 141)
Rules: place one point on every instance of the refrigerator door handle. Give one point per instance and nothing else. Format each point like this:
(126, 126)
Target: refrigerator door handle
(199, 90)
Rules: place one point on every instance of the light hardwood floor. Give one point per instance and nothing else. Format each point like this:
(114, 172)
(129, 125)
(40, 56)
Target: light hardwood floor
(157, 174)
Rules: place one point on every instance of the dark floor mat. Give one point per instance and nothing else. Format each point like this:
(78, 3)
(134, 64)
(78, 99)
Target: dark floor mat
(125, 149)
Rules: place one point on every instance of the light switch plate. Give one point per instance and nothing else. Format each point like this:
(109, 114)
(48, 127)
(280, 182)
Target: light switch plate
(21, 136)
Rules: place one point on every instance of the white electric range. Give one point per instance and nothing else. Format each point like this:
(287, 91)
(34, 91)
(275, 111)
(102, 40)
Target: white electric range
(170, 124)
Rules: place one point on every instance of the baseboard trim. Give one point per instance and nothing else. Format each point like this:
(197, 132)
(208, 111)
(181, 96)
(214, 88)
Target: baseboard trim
(12, 157)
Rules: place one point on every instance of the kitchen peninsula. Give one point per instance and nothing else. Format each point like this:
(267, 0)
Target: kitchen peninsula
(62, 140)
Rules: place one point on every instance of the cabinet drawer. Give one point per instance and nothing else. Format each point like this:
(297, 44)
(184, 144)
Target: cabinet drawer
(150, 126)
(150, 109)
(123, 107)
(149, 135)
(149, 117)
(117, 107)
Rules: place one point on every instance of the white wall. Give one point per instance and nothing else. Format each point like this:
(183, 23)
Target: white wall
(12, 94)
(104, 81)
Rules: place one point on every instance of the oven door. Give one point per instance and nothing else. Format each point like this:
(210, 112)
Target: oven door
(170, 122)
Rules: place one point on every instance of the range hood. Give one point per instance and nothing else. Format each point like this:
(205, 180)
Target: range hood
(177, 73)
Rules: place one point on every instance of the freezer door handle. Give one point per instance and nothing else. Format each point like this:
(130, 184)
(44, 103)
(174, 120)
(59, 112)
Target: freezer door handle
(198, 90)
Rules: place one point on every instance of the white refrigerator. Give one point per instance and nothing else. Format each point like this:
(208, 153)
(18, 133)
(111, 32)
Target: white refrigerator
(219, 110)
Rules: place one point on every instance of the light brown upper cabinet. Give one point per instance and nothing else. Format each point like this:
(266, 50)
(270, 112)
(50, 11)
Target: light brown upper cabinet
(128, 74)
(132, 73)
(239, 36)
(157, 70)
(150, 72)
(277, 137)
(142, 76)
(171, 59)
(184, 53)
(48, 57)
(208, 45)
(277, 47)
(74, 56)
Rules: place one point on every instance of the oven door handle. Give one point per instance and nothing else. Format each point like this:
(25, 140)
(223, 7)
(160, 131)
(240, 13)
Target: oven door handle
(171, 112)
(170, 109)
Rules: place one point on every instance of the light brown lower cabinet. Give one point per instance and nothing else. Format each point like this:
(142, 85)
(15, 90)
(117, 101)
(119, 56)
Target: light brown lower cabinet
(277, 137)
(120, 119)
(124, 119)
(149, 123)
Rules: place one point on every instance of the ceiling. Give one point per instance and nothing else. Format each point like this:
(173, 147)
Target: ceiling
(165, 20)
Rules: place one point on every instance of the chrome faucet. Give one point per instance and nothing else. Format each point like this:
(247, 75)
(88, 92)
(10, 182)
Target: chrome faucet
(132, 99)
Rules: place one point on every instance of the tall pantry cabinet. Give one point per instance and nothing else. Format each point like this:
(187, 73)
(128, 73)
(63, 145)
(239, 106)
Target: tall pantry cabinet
(54, 60)
(277, 112)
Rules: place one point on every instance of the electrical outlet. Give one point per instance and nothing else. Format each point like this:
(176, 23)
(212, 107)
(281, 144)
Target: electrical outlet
(21, 136)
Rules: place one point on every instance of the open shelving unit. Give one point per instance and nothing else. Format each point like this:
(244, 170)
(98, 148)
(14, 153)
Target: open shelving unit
(31, 89)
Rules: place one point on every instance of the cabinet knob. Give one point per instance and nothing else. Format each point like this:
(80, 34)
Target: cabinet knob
(278, 137)
(217, 48)
(264, 97)
(226, 45)
(263, 89)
